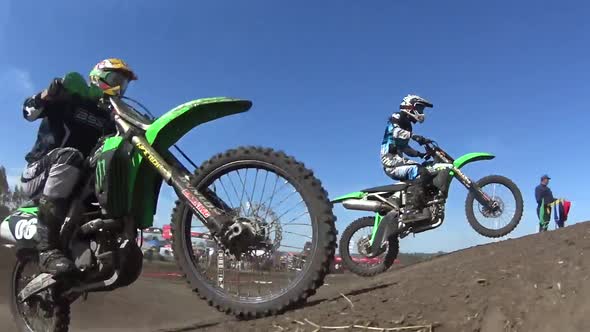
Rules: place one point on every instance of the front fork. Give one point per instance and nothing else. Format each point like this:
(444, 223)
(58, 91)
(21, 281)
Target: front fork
(479, 194)
(186, 174)
(215, 219)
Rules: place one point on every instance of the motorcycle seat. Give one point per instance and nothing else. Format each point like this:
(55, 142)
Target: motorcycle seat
(388, 188)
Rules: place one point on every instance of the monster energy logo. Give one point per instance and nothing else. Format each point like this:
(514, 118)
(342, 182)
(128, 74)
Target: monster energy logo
(100, 173)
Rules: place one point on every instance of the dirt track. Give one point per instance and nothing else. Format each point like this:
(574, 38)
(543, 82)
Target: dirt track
(153, 303)
(536, 283)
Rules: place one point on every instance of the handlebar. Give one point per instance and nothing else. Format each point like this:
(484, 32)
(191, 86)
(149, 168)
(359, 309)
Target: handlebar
(431, 148)
(128, 113)
(434, 151)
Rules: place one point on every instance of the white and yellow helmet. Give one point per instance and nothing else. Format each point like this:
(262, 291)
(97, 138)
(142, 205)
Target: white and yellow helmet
(112, 76)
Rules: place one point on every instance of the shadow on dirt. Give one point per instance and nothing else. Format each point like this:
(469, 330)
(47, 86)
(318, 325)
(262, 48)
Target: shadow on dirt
(350, 293)
(191, 327)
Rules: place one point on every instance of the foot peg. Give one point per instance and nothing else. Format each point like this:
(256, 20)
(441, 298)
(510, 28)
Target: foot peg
(423, 215)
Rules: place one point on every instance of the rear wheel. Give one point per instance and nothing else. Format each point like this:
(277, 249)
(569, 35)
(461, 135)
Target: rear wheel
(40, 313)
(502, 220)
(354, 247)
(286, 208)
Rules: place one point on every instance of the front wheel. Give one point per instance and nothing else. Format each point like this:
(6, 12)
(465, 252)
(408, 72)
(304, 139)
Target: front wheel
(292, 242)
(355, 242)
(502, 219)
(41, 312)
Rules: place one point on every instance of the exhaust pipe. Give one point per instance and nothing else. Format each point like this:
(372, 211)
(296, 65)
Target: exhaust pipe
(363, 205)
(94, 225)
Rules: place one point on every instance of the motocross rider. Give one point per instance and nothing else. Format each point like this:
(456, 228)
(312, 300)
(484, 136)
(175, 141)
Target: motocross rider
(395, 144)
(70, 128)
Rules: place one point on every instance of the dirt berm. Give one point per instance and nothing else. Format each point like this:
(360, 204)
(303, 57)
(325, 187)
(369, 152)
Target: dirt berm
(537, 283)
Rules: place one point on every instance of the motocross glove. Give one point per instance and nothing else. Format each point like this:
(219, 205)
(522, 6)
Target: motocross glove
(421, 139)
(56, 91)
(56, 88)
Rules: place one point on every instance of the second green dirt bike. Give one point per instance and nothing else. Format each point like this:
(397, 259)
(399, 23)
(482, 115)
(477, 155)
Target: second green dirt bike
(259, 210)
(378, 236)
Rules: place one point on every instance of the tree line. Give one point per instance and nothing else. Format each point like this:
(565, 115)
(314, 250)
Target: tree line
(417, 257)
(10, 198)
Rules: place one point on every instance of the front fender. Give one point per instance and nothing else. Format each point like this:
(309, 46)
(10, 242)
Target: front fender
(472, 157)
(162, 134)
(170, 127)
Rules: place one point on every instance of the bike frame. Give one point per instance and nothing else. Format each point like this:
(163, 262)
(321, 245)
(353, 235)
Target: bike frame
(454, 172)
(378, 219)
(148, 160)
(151, 159)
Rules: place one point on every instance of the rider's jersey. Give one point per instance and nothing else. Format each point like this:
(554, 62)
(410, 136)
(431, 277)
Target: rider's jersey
(397, 136)
(76, 124)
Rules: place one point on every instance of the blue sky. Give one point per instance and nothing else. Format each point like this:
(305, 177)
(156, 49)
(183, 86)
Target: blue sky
(510, 78)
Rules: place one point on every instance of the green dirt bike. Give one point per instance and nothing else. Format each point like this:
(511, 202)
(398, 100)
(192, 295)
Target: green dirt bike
(378, 237)
(255, 207)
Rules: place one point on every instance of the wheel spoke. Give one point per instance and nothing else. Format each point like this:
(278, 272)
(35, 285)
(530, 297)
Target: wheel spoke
(263, 186)
(307, 236)
(507, 208)
(284, 199)
(299, 216)
(273, 260)
(290, 209)
(226, 194)
(235, 191)
(291, 247)
(363, 234)
(254, 188)
(244, 189)
(272, 196)
(295, 224)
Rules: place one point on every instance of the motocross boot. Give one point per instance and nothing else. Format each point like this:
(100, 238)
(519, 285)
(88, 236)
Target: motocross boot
(441, 182)
(415, 209)
(51, 216)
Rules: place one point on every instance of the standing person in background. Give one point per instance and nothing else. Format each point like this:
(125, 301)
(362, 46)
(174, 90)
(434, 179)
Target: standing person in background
(544, 198)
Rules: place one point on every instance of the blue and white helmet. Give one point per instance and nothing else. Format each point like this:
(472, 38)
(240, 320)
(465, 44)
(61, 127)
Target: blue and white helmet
(414, 106)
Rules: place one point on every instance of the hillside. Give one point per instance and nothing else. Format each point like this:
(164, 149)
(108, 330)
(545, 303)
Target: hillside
(536, 283)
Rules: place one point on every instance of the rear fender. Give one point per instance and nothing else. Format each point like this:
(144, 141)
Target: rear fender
(20, 228)
(356, 194)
